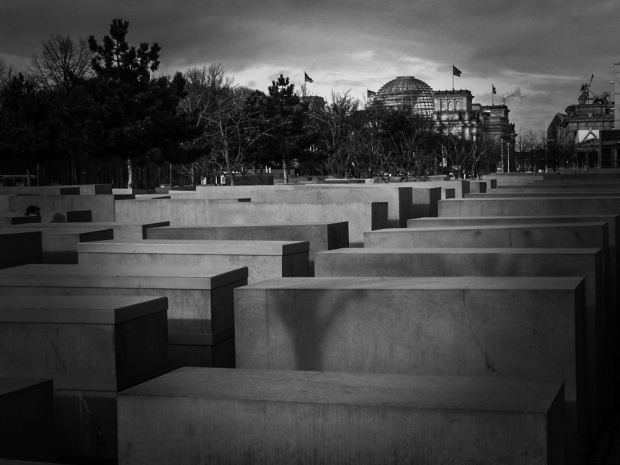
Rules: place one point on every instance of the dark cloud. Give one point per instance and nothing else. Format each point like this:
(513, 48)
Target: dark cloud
(536, 51)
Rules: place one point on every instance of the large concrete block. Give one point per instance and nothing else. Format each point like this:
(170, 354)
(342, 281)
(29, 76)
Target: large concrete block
(121, 231)
(320, 236)
(19, 247)
(399, 199)
(425, 196)
(107, 343)
(26, 419)
(102, 206)
(59, 244)
(91, 348)
(203, 212)
(200, 300)
(360, 216)
(574, 206)
(507, 194)
(523, 328)
(264, 259)
(279, 417)
(502, 262)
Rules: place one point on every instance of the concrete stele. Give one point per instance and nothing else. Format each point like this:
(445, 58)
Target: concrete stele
(267, 417)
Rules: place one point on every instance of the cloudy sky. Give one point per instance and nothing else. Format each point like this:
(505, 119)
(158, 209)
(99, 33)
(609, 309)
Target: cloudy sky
(537, 53)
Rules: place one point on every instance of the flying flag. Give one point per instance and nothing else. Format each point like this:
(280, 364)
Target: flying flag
(494, 90)
(455, 71)
(370, 93)
(307, 78)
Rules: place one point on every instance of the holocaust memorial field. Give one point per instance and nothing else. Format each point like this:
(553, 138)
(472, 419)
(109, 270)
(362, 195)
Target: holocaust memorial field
(465, 322)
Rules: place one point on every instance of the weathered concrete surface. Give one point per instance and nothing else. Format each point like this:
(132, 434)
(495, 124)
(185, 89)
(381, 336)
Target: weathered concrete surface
(59, 244)
(498, 262)
(530, 207)
(124, 338)
(399, 199)
(425, 198)
(202, 212)
(102, 206)
(26, 419)
(200, 300)
(281, 417)
(91, 348)
(121, 231)
(20, 247)
(264, 259)
(507, 194)
(504, 179)
(320, 236)
(524, 328)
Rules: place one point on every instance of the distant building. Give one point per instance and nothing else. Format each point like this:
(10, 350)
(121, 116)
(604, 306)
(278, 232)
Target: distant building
(453, 112)
(582, 132)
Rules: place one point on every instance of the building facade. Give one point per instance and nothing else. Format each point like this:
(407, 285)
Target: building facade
(454, 112)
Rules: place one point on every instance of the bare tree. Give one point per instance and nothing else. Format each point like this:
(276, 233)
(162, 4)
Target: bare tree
(334, 123)
(61, 62)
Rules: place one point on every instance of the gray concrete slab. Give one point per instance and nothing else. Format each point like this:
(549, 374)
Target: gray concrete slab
(27, 419)
(320, 236)
(524, 328)
(497, 262)
(203, 212)
(59, 244)
(121, 230)
(264, 259)
(102, 206)
(124, 338)
(200, 300)
(425, 196)
(243, 416)
(507, 194)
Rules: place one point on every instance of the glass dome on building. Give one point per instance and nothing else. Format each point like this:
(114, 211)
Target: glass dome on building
(407, 93)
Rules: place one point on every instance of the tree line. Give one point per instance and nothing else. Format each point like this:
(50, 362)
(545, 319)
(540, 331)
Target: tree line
(95, 112)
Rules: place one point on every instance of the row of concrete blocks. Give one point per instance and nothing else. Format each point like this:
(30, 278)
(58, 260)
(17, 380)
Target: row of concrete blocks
(363, 405)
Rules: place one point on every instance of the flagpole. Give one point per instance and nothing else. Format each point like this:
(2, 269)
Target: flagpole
(452, 77)
(492, 98)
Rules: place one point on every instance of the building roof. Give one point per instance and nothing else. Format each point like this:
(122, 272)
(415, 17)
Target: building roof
(408, 92)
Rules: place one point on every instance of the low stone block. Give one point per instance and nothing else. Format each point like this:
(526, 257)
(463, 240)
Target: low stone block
(502, 262)
(523, 328)
(20, 247)
(121, 231)
(91, 348)
(264, 259)
(200, 300)
(320, 236)
(202, 212)
(26, 419)
(102, 206)
(48, 336)
(272, 416)
(59, 244)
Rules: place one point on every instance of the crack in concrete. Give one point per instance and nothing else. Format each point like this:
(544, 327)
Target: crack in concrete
(485, 355)
(56, 351)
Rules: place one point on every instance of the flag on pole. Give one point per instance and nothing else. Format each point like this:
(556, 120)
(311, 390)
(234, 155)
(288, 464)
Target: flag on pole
(307, 78)
(494, 90)
(370, 93)
(455, 71)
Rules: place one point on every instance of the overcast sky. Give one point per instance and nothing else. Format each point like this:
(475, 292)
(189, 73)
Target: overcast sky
(537, 53)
